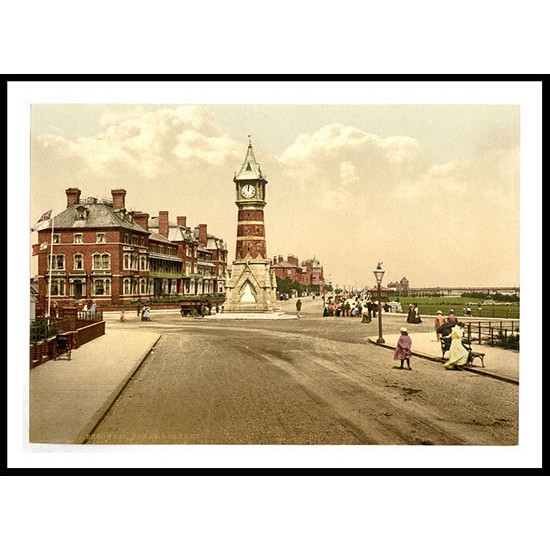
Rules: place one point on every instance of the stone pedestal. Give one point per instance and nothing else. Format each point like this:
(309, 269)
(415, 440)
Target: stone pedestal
(251, 288)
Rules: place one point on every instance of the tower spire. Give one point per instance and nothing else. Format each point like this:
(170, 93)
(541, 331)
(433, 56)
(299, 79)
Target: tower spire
(250, 169)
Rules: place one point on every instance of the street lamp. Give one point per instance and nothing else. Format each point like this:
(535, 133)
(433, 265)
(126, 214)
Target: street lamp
(379, 274)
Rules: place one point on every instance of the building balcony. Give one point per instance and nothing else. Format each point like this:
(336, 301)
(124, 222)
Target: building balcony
(163, 275)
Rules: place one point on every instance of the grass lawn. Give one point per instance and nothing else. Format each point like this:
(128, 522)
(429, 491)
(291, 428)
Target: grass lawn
(430, 305)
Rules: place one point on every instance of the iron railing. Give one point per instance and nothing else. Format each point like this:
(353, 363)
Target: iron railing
(42, 329)
(494, 333)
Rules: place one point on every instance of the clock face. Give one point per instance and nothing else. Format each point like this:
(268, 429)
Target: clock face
(248, 191)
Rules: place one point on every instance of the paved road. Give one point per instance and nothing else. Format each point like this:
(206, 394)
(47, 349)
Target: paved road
(303, 381)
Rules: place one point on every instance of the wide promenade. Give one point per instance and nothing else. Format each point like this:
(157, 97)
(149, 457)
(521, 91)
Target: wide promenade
(307, 381)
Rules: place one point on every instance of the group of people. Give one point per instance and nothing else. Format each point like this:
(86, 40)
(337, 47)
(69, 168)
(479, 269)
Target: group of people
(413, 315)
(450, 333)
(146, 313)
(92, 308)
(359, 307)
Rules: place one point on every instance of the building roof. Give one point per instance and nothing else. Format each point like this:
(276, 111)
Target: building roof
(250, 169)
(160, 238)
(288, 265)
(216, 242)
(98, 215)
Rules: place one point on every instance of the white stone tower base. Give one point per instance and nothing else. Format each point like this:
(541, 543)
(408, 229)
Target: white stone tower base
(252, 288)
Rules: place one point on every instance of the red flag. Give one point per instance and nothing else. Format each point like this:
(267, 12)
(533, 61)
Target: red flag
(37, 248)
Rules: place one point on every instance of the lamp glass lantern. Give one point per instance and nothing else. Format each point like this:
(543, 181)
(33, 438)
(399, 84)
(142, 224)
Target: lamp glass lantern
(379, 274)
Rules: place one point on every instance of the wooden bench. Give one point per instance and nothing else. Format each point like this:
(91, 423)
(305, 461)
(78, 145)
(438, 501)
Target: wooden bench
(475, 355)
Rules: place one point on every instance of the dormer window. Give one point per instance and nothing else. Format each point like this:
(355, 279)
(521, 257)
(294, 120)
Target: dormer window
(81, 212)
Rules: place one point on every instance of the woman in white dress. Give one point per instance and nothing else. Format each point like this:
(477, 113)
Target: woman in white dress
(458, 354)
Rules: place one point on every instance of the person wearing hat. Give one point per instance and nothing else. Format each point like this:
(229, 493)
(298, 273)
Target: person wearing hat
(458, 354)
(403, 349)
(439, 320)
(452, 318)
(411, 314)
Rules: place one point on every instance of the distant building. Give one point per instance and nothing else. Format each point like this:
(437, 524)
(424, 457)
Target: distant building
(400, 287)
(289, 269)
(313, 275)
(309, 272)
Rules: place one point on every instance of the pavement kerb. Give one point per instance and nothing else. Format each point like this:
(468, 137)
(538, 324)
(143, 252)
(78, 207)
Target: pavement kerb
(87, 431)
(440, 361)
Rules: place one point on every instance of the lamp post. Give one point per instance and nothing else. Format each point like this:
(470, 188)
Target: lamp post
(379, 274)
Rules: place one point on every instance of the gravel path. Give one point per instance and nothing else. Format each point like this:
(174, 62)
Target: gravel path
(309, 381)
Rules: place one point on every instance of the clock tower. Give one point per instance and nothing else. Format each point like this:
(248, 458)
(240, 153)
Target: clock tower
(252, 287)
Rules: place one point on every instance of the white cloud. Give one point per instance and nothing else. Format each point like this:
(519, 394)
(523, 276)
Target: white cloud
(339, 139)
(148, 142)
(348, 172)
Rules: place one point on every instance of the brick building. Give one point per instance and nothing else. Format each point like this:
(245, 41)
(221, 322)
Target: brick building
(289, 269)
(101, 251)
(204, 256)
(309, 272)
(313, 274)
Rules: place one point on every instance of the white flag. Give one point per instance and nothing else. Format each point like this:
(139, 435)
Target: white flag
(43, 222)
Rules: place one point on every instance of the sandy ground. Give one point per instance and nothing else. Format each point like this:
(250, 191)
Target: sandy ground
(308, 381)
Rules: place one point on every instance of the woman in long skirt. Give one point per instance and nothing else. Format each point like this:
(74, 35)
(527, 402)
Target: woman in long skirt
(458, 354)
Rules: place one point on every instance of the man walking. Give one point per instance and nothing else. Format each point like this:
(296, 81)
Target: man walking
(298, 307)
(439, 321)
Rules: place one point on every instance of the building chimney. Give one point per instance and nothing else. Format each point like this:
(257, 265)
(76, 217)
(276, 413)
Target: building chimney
(182, 220)
(163, 223)
(73, 196)
(118, 198)
(142, 218)
(202, 234)
(280, 260)
(274, 260)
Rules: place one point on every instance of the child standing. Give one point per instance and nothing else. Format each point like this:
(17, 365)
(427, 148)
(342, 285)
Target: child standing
(403, 349)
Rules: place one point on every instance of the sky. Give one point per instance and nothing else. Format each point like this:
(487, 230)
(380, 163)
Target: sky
(430, 190)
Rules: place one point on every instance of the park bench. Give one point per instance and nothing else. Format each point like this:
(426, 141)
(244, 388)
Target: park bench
(473, 355)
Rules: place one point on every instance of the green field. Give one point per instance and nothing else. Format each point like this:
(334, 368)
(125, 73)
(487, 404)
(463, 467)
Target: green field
(430, 305)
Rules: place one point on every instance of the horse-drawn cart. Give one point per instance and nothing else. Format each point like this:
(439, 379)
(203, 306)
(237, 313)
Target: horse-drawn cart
(63, 346)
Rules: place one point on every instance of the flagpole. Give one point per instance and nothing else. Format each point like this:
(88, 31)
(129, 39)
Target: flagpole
(50, 275)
